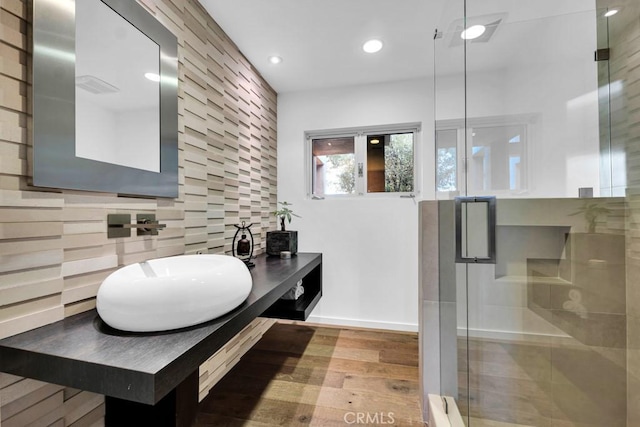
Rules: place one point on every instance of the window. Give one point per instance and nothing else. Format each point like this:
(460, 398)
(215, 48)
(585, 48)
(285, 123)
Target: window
(447, 160)
(494, 159)
(390, 162)
(348, 162)
(334, 166)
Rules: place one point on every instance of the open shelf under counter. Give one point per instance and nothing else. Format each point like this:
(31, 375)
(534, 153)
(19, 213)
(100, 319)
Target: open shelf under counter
(300, 308)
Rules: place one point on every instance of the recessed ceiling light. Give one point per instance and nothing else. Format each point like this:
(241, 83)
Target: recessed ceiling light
(473, 32)
(611, 12)
(372, 46)
(152, 76)
(275, 59)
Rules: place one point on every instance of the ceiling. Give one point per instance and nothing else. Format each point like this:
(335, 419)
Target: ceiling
(320, 42)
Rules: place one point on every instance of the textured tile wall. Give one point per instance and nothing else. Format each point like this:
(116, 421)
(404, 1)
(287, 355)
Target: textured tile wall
(54, 250)
(625, 113)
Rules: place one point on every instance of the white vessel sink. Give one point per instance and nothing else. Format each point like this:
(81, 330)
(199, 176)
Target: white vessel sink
(174, 292)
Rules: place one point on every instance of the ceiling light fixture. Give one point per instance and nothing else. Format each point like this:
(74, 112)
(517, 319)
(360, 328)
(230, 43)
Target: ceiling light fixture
(473, 32)
(375, 141)
(611, 12)
(152, 76)
(372, 46)
(275, 59)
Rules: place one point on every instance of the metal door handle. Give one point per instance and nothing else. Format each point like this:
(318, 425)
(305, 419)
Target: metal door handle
(475, 245)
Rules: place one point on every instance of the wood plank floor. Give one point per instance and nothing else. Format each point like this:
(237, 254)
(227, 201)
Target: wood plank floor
(300, 374)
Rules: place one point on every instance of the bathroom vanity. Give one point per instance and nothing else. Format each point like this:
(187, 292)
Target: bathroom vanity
(153, 377)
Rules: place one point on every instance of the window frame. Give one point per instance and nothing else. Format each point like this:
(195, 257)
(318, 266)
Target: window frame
(464, 130)
(360, 135)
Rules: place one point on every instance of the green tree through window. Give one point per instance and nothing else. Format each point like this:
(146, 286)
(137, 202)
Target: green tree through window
(398, 163)
(346, 176)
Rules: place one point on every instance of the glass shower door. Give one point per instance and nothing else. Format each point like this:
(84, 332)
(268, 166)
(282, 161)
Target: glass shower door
(541, 338)
(519, 121)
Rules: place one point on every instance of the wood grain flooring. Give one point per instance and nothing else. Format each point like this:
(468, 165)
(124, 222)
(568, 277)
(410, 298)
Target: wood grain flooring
(301, 374)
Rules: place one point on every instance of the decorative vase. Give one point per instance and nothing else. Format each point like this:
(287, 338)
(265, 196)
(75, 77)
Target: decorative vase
(278, 241)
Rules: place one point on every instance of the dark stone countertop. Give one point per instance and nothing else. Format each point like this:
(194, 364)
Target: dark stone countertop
(81, 351)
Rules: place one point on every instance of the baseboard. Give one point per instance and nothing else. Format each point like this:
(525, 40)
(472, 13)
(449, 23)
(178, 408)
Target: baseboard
(370, 324)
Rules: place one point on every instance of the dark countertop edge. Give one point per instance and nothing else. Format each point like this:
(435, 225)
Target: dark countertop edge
(83, 375)
(150, 387)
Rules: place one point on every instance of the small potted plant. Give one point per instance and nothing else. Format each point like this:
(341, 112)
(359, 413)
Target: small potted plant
(283, 239)
(591, 212)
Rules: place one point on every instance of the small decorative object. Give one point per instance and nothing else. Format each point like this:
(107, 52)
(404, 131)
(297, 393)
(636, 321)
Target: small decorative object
(283, 239)
(243, 248)
(294, 293)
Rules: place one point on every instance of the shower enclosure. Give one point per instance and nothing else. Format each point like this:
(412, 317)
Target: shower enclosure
(537, 117)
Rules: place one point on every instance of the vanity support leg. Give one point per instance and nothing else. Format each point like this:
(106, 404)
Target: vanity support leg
(177, 409)
(187, 400)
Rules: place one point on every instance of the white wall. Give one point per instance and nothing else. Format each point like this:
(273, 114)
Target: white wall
(128, 138)
(95, 131)
(369, 245)
(138, 139)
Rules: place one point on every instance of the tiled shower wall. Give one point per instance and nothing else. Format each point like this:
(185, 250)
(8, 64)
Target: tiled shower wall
(625, 112)
(54, 250)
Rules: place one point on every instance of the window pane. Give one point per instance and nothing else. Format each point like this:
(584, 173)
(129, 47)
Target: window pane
(498, 158)
(334, 166)
(446, 160)
(390, 163)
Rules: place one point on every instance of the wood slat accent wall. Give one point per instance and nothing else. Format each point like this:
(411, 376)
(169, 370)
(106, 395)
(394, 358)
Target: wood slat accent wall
(218, 365)
(54, 251)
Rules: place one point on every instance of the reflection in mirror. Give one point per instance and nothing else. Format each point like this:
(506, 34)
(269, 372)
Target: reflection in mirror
(117, 107)
(119, 44)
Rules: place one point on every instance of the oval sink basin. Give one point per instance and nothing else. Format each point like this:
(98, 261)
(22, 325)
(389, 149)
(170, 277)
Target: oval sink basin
(173, 292)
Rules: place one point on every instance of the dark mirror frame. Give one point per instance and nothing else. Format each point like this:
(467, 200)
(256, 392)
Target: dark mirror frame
(54, 161)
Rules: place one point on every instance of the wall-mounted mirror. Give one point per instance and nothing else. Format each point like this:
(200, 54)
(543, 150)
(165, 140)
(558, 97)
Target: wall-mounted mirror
(105, 98)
